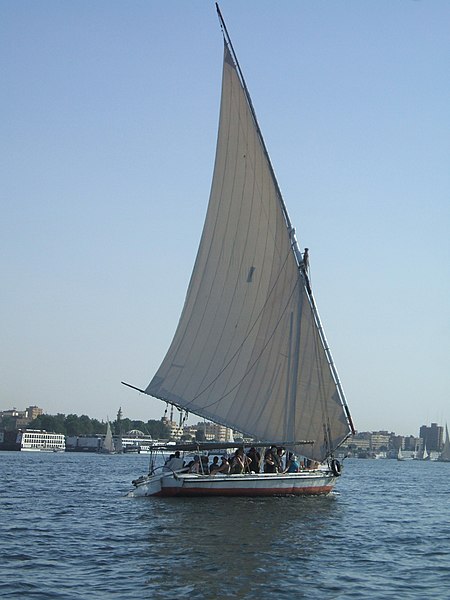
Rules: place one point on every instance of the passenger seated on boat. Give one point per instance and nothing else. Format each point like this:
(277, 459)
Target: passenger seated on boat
(292, 464)
(255, 458)
(214, 466)
(195, 466)
(204, 465)
(239, 463)
(174, 462)
(269, 460)
(278, 459)
(224, 468)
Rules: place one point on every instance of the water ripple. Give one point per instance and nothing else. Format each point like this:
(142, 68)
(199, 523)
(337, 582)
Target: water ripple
(68, 532)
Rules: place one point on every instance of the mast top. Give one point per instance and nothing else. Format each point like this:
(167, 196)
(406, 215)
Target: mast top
(229, 45)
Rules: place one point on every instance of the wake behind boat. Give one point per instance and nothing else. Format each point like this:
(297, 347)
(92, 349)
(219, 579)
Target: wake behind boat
(250, 351)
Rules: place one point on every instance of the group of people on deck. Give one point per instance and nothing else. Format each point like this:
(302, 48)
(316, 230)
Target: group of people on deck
(275, 460)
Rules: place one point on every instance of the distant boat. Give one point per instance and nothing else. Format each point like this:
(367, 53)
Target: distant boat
(37, 440)
(445, 454)
(137, 442)
(425, 455)
(379, 455)
(250, 351)
(405, 454)
(108, 446)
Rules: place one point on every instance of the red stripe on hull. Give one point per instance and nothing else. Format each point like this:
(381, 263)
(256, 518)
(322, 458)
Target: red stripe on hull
(186, 492)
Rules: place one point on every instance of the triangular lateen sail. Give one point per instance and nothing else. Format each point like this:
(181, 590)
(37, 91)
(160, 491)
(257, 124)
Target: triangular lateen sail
(445, 454)
(247, 352)
(108, 442)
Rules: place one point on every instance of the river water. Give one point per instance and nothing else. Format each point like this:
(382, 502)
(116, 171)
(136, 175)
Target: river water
(68, 531)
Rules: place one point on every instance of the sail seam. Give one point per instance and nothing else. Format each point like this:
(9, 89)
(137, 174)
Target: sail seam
(245, 338)
(254, 362)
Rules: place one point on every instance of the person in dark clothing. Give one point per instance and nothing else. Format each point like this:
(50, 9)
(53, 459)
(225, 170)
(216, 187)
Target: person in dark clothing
(239, 463)
(270, 465)
(278, 459)
(254, 458)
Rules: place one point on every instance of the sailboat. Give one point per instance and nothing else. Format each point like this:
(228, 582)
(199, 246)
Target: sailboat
(107, 446)
(405, 454)
(445, 454)
(250, 351)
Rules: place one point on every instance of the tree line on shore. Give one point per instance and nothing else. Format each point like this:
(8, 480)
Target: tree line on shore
(83, 425)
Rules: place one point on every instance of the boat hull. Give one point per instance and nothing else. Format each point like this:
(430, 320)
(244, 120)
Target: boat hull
(42, 449)
(312, 483)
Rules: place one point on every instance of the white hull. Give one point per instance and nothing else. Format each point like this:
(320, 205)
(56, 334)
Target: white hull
(42, 450)
(34, 440)
(306, 483)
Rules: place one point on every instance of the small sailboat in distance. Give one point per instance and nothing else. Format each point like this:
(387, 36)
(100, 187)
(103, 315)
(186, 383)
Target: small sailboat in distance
(250, 351)
(445, 454)
(108, 446)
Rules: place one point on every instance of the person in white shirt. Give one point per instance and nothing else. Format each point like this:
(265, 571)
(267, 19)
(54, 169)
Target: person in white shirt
(174, 463)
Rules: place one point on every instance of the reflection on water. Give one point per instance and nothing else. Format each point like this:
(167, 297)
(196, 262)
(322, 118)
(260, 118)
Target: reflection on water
(246, 543)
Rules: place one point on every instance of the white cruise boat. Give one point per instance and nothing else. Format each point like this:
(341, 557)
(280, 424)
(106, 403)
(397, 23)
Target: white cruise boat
(36, 440)
(137, 441)
(138, 446)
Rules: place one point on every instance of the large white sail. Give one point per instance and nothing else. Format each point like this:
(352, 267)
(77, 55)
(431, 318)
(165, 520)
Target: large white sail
(247, 352)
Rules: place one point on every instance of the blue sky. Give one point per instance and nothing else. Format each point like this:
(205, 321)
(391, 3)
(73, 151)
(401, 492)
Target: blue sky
(108, 129)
